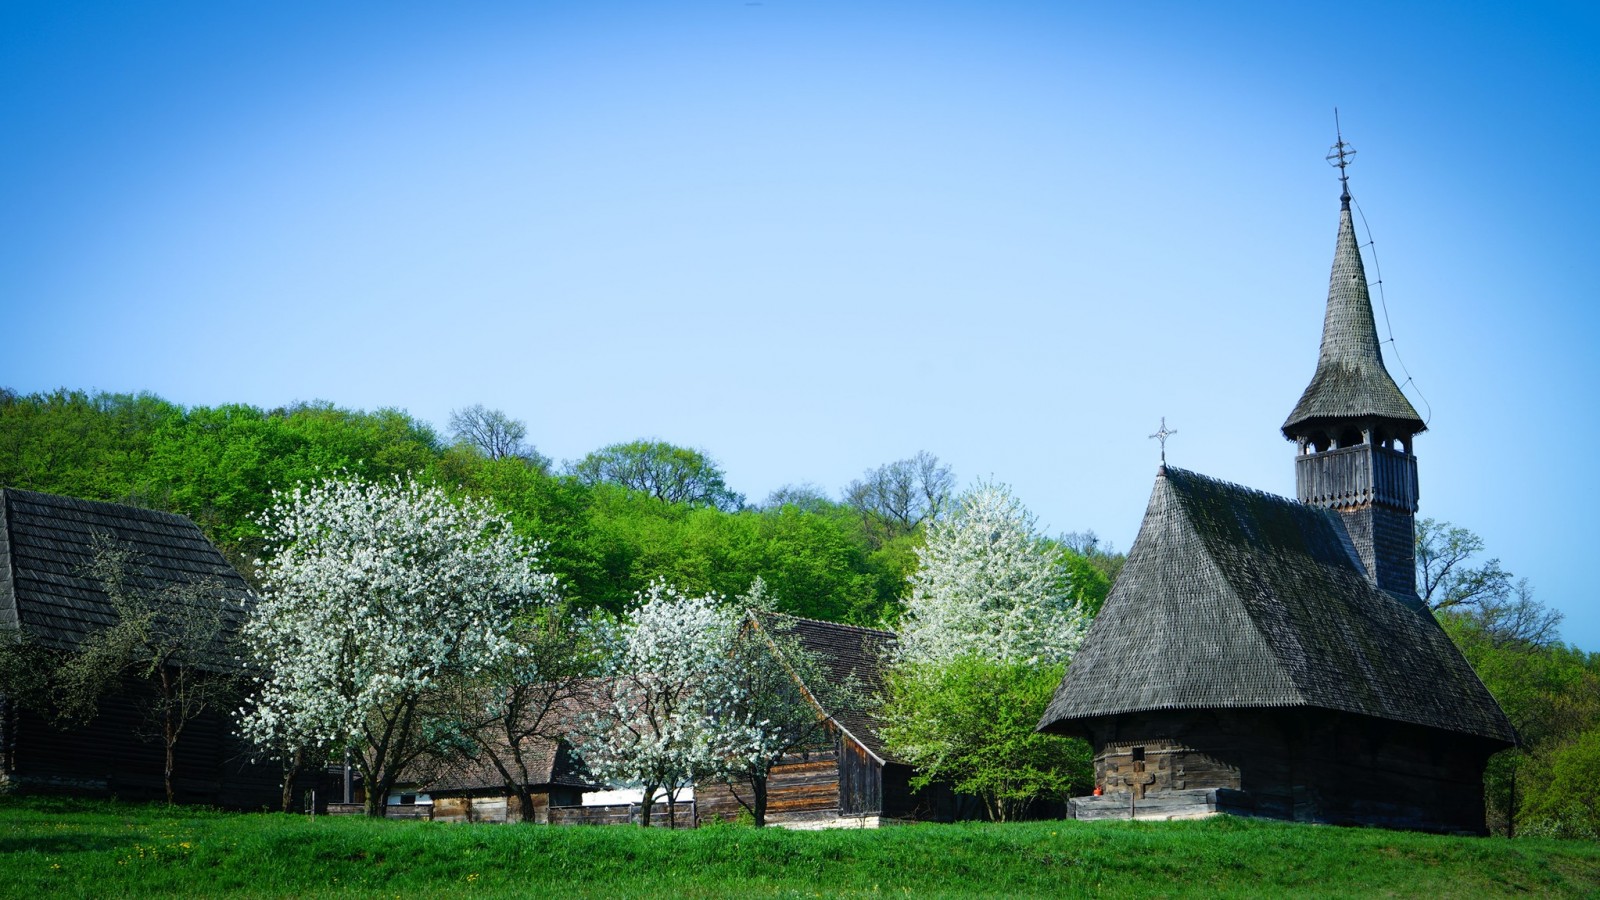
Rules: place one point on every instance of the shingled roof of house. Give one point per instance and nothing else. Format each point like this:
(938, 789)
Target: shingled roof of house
(847, 654)
(47, 545)
(1235, 598)
(550, 763)
(1351, 381)
(546, 749)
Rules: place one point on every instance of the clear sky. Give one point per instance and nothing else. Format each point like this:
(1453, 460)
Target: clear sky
(814, 237)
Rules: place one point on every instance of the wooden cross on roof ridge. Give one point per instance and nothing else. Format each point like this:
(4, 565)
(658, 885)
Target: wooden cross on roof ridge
(1161, 435)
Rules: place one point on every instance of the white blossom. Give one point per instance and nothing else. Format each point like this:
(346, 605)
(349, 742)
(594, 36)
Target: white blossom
(989, 585)
(373, 593)
(658, 725)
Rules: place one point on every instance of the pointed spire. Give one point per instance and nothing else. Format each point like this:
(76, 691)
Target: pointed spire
(1351, 381)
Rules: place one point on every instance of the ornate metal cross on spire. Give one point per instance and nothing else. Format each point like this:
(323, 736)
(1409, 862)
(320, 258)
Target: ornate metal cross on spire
(1161, 435)
(1340, 155)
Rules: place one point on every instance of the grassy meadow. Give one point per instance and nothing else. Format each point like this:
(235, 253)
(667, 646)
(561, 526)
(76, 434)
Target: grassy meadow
(72, 848)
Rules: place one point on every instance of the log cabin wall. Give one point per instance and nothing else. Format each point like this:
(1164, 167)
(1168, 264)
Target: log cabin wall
(108, 758)
(860, 781)
(800, 787)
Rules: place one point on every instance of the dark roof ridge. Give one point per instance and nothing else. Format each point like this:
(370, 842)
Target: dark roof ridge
(10, 616)
(861, 628)
(67, 502)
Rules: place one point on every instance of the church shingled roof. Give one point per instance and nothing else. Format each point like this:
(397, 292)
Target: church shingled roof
(47, 544)
(1351, 381)
(1235, 598)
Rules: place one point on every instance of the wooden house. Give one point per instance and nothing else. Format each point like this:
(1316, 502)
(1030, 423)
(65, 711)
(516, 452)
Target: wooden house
(1271, 657)
(47, 597)
(848, 779)
(473, 790)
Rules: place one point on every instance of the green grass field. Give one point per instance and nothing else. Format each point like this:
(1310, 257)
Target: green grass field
(66, 848)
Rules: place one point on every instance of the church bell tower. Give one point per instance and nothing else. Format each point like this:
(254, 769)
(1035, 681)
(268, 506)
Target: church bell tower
(1353, 426)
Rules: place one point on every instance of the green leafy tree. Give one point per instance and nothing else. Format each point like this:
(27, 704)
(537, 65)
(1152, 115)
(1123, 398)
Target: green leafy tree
(664, 471)
(970, 722)
(988, 629)
(1566, 802)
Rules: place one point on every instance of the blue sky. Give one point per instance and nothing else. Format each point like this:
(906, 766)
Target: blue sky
(814, 237)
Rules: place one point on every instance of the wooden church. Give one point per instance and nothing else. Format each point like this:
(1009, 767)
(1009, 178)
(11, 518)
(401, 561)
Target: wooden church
(1271, 657)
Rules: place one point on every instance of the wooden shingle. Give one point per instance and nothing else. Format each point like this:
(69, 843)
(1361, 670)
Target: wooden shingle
(47, 546)
(1234, 598)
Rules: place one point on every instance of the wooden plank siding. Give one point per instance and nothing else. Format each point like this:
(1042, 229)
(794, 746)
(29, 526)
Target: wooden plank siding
(107, 757)
(799, 787)
(860, 781)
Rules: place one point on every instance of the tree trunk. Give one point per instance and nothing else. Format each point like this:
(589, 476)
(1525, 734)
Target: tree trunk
(291, 768)
(376, 804)
(758, 804)
(524, 803)
(647, 803)
(169, 731)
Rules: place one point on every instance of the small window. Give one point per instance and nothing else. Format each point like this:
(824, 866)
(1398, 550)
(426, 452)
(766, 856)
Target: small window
(408, 799)
(1138, 754)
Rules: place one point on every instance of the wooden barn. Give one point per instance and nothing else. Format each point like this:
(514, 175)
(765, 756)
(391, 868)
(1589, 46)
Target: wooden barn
(47, 598)
(1271, 657)
(848, 779)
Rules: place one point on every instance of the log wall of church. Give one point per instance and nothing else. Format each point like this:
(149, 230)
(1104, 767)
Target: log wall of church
(1302, 765)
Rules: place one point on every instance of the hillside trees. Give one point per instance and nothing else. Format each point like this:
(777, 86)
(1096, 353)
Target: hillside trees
(375, 596)
(1550, 692)
(606, 539)
(79, 444)
(494, 434)
(894, 499)
(667, 472)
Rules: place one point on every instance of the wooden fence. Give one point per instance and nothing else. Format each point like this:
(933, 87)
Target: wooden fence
(622, 814)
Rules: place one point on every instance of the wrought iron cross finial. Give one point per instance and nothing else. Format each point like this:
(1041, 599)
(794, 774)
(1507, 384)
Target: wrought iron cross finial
(1340, 155)
(1161, 435)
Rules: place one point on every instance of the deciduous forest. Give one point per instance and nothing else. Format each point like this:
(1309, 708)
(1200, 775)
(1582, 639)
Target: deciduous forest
(611, 522)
